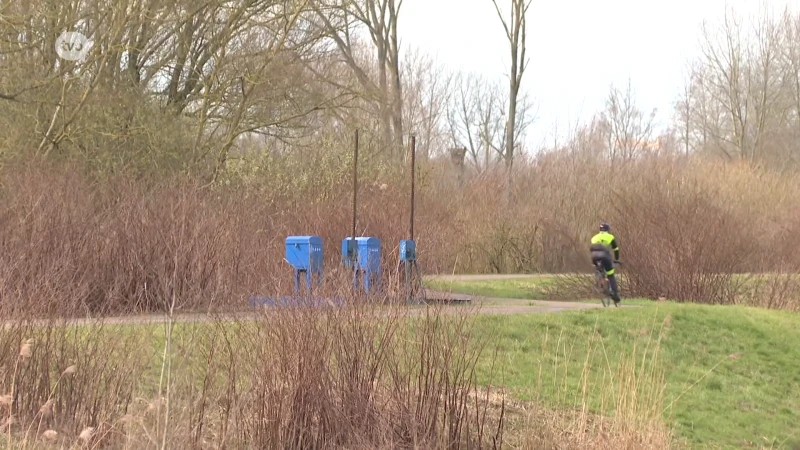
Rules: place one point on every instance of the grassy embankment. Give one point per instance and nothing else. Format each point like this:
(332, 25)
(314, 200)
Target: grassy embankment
(716, 376)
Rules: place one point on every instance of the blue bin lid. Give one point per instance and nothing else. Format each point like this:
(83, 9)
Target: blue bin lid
(364, 240)
(303, 240)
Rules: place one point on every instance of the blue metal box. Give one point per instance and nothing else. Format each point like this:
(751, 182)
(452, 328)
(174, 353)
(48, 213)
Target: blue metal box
(369, 257)
(349, 251)
(304, 254)
(368, 251)
(408, 250)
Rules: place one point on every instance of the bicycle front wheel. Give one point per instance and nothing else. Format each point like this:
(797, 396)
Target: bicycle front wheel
(605, 299)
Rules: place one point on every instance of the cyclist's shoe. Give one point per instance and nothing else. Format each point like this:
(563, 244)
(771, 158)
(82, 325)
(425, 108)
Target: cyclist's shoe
(616, 302)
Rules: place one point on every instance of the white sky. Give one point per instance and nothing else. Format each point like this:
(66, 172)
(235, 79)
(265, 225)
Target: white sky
(577, 48)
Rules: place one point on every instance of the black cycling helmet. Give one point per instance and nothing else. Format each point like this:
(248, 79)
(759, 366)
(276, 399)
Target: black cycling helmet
(605, 227)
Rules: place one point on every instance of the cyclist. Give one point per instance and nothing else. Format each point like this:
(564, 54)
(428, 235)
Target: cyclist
(603, 243)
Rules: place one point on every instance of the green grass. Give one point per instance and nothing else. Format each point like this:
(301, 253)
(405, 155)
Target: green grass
(732, 373)
(522, 288)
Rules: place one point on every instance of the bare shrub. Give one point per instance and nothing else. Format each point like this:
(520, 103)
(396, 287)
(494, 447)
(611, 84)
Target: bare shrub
(347, 378)
(680, 244)
(688, 230)
(74, 245)
(360, 374)
(127, 247)
(774, 290)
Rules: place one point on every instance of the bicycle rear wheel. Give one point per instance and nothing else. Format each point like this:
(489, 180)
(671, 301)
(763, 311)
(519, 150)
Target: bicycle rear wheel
(606, 298)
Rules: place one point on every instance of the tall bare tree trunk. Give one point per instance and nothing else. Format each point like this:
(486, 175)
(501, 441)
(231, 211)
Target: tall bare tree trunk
(515, 33)
(397, 84)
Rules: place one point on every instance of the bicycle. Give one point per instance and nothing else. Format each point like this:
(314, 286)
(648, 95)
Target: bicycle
(601, 283)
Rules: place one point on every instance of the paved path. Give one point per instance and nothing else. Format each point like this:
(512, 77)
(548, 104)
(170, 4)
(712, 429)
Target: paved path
(532, 307)
(476, 304)
(483, 277)
(491, 305)
(491, 308)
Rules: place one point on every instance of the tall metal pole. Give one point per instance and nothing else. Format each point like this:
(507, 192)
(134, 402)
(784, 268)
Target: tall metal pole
(355, 184)
(354, 252)
(413, 173)
(411, 219)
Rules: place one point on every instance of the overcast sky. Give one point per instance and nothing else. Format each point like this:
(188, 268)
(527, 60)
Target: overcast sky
(577, 48)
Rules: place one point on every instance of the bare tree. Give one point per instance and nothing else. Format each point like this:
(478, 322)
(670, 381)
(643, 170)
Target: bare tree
(628, 130)
(177, 85)
(741, 99)
(684, 118)
(741, 78)
(789, 60)
(700, 115)
(524, 117)
(427, 93)
(515, 33)
(342, 19)
(476, 118)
